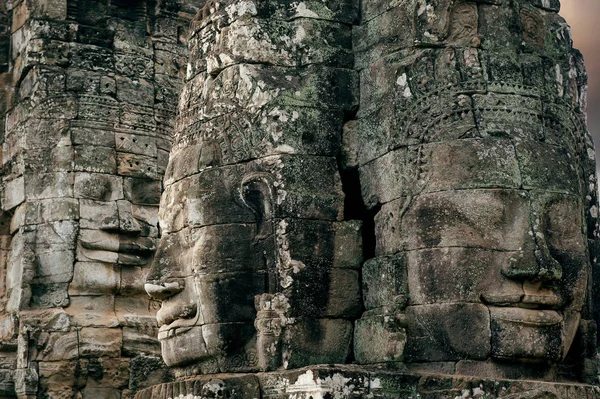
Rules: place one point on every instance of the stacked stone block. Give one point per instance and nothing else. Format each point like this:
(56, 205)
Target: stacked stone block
(88, 131)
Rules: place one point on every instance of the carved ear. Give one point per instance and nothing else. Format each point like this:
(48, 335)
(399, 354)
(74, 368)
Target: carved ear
(257, 194)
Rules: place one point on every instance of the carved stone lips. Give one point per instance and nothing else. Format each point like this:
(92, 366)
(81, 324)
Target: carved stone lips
(176, 314)
(532, 317)
(178, 327)
(535, 308)
(525, 301)
(125, 251)
(142, 246)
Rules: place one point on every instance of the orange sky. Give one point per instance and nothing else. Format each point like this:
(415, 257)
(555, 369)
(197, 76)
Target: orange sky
(584, 18)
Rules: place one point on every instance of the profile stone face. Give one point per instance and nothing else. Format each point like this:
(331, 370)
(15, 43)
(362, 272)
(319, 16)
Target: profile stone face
(256, 268)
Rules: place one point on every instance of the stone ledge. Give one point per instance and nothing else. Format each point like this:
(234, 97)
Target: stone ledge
(354, 382)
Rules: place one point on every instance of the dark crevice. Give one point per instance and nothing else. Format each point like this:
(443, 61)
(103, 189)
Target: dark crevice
(355, 209)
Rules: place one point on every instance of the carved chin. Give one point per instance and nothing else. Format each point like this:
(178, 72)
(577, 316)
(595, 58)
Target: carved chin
(183, 346)
(532, 334)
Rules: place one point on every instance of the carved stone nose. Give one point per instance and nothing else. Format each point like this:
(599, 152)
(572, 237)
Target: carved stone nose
(121, 222)
(541, 267)
(162, 291)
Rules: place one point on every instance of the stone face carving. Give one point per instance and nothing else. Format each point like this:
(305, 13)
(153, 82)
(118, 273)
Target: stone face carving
(358, 199)
(483, 245)
(475, 169)
(90, 100)
(256, 268)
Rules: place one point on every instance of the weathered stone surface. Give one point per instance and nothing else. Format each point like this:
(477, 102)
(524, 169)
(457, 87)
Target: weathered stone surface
(454, 131)
(379, 338)
(446, 332)
(94, 342)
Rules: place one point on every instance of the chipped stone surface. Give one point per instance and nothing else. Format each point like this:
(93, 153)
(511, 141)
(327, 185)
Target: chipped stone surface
(84, 107)
(213, 198)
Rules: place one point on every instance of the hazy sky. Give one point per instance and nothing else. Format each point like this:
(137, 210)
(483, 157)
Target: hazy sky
(584, 18)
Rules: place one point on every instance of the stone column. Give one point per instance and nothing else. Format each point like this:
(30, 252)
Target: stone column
(88, 131)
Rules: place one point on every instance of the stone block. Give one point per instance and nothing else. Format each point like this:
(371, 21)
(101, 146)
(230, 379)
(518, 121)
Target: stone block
(135, 311)
(493, 118)
(347, 244)
(92, 311)
(134, 165)
(385, 281)
(547, 167)
(217, 249)
(100, 342)
(324, 341)
(211, 199)
(136, 342)
(94, 159)
(146, 216)
(183, 348)
(472, 163)
(48, 320)
(97, 214)
(380, 36)
(93, 57)
(146, 371)
(132, 282)
(315, 290)
(229, 297)
(58, 159)
(105, 372)
(443, 332)
(383, 179)
(82, 81)
(528, 333)
(138, 91)
(379, 339)
(133, 65)
(136, 144)
(49, 185)
(48, 295)
(142, 191)
(56, 235)
(484, 218)
(370, 137)
(98, 136)
(54, 266)
(445, 275)
(57, 346)
(100, 112)
(234, 345)
(52, 210)
(57, 378)
(94, 278)
(13, 194)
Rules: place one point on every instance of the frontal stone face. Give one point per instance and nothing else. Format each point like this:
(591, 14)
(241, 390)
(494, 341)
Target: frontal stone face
(473, 155)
